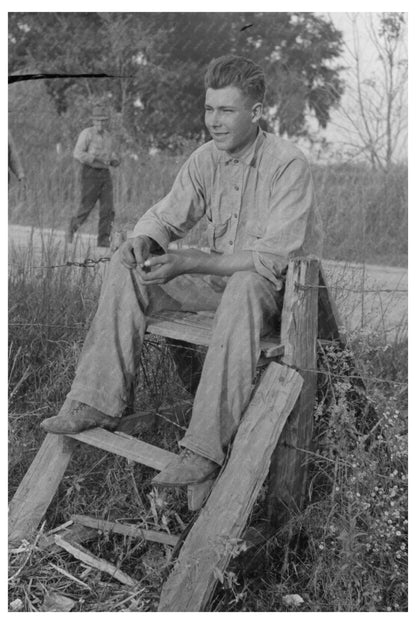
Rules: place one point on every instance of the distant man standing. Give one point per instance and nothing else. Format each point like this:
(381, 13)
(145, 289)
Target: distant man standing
(94, 150)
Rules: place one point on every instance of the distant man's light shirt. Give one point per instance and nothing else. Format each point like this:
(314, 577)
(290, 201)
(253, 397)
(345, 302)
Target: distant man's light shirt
(92, 144)
(261, 202)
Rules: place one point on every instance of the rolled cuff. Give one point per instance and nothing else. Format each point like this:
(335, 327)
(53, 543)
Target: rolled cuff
(158, 234)
(270, 267)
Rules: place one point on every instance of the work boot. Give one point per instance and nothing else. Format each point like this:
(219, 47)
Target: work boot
(74, 417)
(186, 469)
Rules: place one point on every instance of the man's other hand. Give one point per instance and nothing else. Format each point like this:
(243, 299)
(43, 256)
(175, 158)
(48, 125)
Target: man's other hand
(161, 269)
(134, 252)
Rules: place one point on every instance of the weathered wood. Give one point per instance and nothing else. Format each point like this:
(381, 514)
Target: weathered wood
(213, 539)
(38, 486)
(197, 329)
(130, 530)
(81, 553)
(125, 446)
(198, 493)
(329, 322)
(299, 335)
(74, 533)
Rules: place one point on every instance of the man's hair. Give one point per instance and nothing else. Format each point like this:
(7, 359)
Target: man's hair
(236, 71)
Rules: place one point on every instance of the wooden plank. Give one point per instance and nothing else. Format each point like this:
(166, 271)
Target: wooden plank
(126, 446)
(329, 320)
(218, 529)
(299, 334)
(38, 486)
(197, 329)
(81, 553)
(130, 530)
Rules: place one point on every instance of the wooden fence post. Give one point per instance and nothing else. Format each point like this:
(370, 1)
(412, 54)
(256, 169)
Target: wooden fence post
(288, 472)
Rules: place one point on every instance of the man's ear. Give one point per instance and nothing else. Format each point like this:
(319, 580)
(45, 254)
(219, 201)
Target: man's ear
(256, 112)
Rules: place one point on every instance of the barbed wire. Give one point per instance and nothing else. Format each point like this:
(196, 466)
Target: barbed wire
(347, 289)
(88, 263)
(92, 262)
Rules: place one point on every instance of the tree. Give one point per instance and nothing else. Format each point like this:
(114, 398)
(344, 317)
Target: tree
(158, 60)
(373, 114)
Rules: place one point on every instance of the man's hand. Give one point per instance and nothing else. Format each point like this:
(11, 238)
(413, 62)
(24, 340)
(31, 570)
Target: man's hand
(134, 252)
(161, 269)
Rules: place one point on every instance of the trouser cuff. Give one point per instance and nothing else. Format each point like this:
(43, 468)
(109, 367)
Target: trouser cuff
(97, 399)
(201, 449)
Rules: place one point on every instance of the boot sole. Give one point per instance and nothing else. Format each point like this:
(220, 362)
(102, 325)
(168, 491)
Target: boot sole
(185, 483)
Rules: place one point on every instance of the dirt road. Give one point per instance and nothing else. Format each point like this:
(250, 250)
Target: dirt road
(368, 297)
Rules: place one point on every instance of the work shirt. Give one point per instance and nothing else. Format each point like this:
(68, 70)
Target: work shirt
(263, 202)
(92, 144)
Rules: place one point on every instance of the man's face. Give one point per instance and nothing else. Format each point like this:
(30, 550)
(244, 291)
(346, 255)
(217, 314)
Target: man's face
(231, 118)
(100, 124)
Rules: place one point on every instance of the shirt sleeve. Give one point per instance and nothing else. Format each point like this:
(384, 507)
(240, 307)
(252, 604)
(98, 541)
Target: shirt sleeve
(292, 228)
(174, 215)
(81, 149)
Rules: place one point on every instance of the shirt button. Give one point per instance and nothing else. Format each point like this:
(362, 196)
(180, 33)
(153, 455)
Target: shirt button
(235, 215)
(237, 188)
(235, 161)
(231, 242)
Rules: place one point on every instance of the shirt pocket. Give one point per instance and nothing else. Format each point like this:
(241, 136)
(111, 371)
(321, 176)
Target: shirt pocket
(256, 229)
(215, 232)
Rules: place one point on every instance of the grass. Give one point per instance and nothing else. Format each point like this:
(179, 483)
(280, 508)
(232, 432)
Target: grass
(346, 551)
(364, 212)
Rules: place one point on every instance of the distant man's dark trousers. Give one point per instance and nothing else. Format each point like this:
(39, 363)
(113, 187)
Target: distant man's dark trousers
(96, 185)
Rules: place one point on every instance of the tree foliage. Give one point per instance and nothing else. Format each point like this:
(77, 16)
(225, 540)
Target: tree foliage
(158, 60)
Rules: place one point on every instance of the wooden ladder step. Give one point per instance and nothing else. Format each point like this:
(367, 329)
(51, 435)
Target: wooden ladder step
(217, 531)
(196, 328)
(125, 446)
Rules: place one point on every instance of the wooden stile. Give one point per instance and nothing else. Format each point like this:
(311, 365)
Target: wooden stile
(274, 432)
(299, 335)
(218, 529)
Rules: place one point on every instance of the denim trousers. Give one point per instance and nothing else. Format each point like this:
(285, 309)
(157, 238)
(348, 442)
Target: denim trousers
(246, 310)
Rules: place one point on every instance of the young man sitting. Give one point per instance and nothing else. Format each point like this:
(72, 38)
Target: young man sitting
(256, 191)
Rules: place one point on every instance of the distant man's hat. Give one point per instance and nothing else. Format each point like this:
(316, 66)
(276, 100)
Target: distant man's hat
(100, 112)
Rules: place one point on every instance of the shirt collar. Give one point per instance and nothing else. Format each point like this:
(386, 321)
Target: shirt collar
(95, 131)
(248, 157)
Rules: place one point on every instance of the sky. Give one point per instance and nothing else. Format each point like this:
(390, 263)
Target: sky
(370, 68)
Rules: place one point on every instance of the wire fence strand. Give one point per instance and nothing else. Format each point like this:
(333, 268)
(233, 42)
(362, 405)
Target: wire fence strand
(89, 263)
